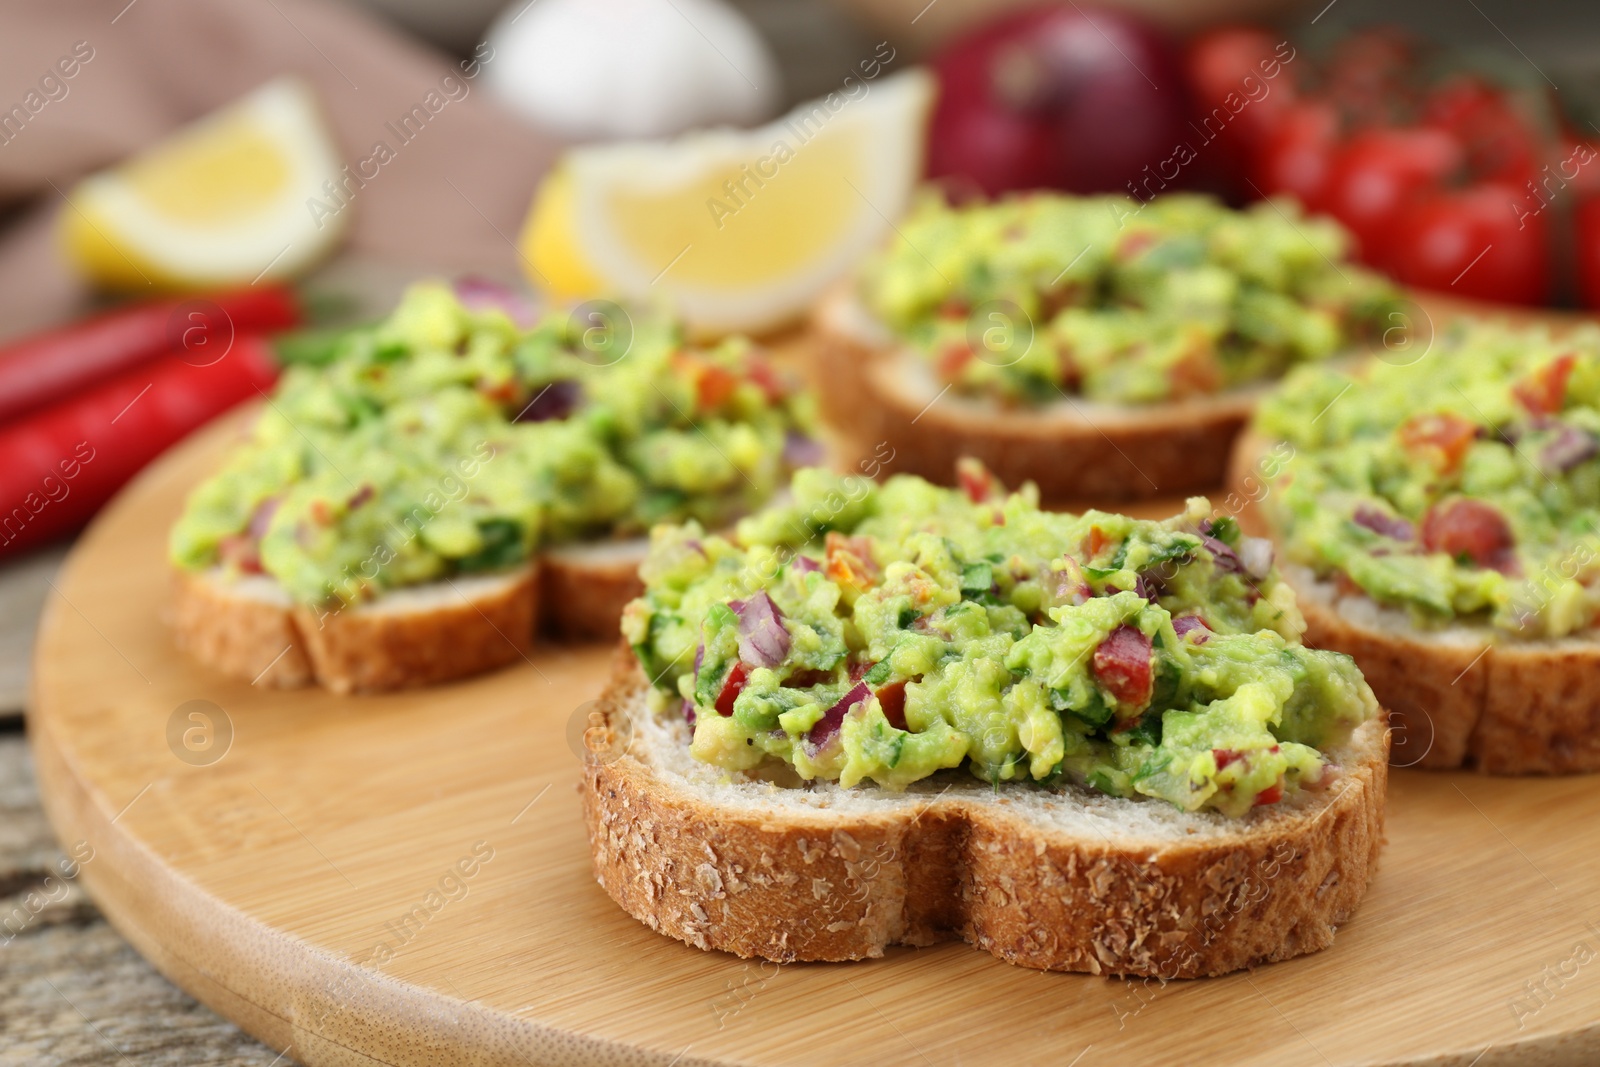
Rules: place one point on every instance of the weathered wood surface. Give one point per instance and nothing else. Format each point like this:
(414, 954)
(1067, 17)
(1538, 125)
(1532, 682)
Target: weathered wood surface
(71, 990)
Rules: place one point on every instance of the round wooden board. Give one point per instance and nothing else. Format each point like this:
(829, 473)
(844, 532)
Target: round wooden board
(266, 881)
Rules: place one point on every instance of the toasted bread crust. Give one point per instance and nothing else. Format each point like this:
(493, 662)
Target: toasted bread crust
(1083, 450)
(842, 885)
(253, 638)
(359, 649)
(366, 651)
(582, 597)
(1467, 698)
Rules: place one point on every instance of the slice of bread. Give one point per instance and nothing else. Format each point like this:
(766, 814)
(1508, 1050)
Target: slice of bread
(878, 392)
(1458, 696)
(1062, 880)
(251, 629)
(586, 584)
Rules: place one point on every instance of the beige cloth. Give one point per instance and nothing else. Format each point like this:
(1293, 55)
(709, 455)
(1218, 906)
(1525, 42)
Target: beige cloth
(451, 199)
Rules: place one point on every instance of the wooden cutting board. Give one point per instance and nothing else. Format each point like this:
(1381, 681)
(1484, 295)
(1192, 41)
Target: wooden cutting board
(404, 880)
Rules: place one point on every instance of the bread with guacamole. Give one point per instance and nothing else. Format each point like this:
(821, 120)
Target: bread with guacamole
(1440, 521)
(900, 714)
(392, 515)
(1097, 346)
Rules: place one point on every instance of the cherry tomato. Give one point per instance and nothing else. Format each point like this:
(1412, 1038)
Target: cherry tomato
(1377, 172)
(1247, 63)
(1500, 143)
(1297, 156)
(1474, 242)
(1586, 227)
(1371, 74)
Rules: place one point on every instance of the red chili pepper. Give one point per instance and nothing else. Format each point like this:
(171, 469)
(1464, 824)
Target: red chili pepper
(64, 462)
(46, 367)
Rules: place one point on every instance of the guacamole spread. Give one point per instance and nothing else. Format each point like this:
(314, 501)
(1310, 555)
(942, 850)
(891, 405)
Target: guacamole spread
(1036, 297)
(448, 440)
(1465, 486)
(860, 631)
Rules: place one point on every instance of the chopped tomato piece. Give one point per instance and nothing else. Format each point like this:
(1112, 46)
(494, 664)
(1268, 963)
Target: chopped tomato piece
(1197, 373)
(1098, 539)
(975, 480)
(714, 386)
(953, 357)
(760, 372)
(1133, 244)
(850, 561)
(242, 552)
(1442, 436)
(1271, 794)
(1469, 529)
(732, 686)
(1225, 756)
(1122, 666)
(892, 699)
(321, 514)
(501, 392)
(1544, 390)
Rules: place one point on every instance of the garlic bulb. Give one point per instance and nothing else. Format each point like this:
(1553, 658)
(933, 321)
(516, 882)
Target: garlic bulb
(604, 69)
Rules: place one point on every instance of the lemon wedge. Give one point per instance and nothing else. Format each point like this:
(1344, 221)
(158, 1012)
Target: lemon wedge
(735, 230)
(248, 192)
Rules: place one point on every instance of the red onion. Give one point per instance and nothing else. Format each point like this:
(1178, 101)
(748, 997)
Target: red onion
(823, 730)
(1571, 447)
(1182, 624)
(1381, 522)
(556, 400)
(262, 517)
(763, 641)
(1059, 97)
(480, 294)
(805, 564)
(802, 451)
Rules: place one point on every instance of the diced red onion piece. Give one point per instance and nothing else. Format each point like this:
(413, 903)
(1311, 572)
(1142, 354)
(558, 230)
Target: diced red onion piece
(262, 518)
(823, 730)
(1182, 624)
(556, 400)
(1227, 560)
(1571, 447)
(1381, 522)
(802, 451)
(805, 564)
(763, 640)
(478, 293)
